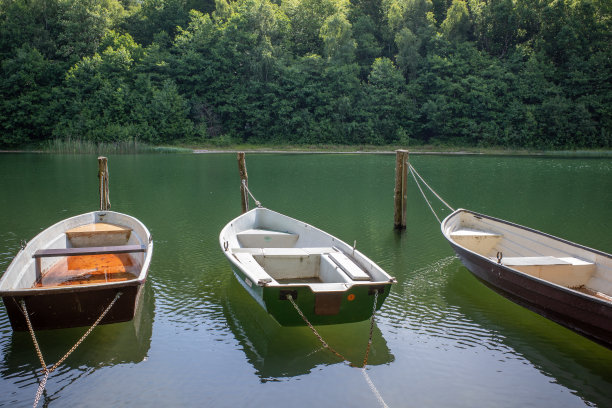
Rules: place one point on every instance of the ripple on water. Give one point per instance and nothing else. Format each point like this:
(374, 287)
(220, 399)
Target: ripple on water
(420, 305)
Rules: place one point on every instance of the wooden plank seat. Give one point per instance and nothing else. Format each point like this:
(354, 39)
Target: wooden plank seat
(349, 267)
(88, 251)
(478, 241)
(565, 271)
(260, 238)
(285, 251)
(117, 249)
(254, 270)
(98, 234)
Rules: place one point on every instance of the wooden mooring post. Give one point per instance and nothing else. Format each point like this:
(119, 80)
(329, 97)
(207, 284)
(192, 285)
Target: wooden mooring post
(105, 204)
(401, 181)
(244, 182)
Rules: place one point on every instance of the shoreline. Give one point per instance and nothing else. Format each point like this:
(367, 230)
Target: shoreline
(388, 150)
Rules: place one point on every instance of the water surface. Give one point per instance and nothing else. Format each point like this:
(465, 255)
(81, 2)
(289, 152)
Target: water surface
(442, 339)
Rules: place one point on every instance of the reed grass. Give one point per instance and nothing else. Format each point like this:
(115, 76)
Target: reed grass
(132, 146)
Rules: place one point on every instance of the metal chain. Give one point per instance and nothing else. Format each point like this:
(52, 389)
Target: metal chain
(365, 359)
(327, 346)
(257, 203)
(47, 371)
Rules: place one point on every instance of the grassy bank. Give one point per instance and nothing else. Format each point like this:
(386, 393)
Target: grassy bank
(71, 146)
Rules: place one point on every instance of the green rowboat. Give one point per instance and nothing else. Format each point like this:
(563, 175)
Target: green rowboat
(277, 259)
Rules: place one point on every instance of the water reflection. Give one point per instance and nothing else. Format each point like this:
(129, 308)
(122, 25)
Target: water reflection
(567, 358)
(107, 345)
(278, 352)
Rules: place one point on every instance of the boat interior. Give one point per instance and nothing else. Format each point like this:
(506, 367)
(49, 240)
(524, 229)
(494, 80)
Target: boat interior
(535, 254)
(273, 257)
(89, 254)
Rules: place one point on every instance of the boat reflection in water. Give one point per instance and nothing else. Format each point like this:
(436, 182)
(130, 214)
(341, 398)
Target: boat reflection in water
(278, 352)
(568, 359)
(107, 345)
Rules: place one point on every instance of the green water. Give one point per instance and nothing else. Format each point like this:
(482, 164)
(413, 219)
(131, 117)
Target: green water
(442, 339)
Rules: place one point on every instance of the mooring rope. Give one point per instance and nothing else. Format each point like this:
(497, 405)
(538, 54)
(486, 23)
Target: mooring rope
(413, 172)
(47, 371)
(379, 397)
(257, 203)
(431, 189)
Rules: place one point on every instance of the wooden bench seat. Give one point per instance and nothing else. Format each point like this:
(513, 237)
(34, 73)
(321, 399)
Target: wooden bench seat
(349, 267)
(254, 270)
(565, 271)
(285, 251)
(57, 252)
(478, 241)
(98, 234)
(259, 238)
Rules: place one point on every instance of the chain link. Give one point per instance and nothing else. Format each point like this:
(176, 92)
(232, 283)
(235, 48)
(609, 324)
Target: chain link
(327, 346)
(367, 353)
(47, 371)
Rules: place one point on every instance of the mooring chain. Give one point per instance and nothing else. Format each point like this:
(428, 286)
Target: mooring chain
(327, 346)
(365, 359)
(257, 203)
(375, 391)
(46, 370)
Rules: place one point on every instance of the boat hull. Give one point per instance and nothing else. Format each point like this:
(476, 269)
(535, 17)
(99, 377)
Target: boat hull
(273, 256)
(73, 309)
(321, 308)
(77, 302)
(587, 316)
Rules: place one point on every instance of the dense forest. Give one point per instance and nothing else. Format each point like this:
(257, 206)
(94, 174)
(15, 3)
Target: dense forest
(505, 73)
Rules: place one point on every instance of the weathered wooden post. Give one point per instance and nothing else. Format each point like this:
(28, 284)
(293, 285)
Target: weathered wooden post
(401, 181)
(244, 182)
(105, 204)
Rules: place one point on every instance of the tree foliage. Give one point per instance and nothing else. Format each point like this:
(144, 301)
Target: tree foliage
(529, 73)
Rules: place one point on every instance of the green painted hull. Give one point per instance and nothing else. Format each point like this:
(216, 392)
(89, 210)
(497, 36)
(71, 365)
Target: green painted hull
(355, 304)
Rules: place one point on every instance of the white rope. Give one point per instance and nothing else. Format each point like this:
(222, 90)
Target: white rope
(424, 196)
(379, 397)
(257, 203)
(430, 189)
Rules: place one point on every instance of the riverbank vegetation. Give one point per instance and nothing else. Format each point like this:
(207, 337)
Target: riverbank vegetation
(520, 74)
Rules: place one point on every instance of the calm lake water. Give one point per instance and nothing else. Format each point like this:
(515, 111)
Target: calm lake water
(442, 339)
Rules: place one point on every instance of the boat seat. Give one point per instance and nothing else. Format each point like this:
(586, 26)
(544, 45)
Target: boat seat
(565, 271)
(252, 251)
(57, 252)
(98, 234)
(259, 238)
(285, 251)
(475, 240)
(320, 250)
(349, 267)
(253, 269)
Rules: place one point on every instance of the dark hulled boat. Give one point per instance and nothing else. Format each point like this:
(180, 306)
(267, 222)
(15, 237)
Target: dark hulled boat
(565, 282)
(69, 273)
